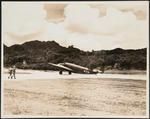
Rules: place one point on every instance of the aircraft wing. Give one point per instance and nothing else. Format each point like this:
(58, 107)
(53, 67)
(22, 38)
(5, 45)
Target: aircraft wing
(74, 66)
(59, 66)
(77, 68)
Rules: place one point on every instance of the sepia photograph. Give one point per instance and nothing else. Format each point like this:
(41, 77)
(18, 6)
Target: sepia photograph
(75, 59)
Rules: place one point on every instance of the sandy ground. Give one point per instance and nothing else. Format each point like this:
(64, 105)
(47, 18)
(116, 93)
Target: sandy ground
(35, 74)
(73, 95)
(70, 97)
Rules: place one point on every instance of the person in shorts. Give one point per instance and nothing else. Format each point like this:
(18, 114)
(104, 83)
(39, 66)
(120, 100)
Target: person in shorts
(10, 72)
(14, 71)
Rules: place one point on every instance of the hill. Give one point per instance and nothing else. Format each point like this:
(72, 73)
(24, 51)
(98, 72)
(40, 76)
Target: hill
(38, 53)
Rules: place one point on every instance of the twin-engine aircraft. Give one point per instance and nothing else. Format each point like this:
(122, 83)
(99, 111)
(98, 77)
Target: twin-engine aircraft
(70, 67)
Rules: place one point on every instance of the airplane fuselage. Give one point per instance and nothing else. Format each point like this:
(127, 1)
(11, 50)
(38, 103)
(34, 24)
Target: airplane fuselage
(78, 69)
(70, 67)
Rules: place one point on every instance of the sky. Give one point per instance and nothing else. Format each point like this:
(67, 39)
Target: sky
(85, 25)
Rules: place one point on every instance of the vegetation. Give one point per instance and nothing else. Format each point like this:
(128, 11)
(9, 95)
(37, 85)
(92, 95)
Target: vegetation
(37, 54)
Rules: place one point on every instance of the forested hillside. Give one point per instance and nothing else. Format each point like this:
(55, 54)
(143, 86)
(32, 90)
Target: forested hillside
(37, 54)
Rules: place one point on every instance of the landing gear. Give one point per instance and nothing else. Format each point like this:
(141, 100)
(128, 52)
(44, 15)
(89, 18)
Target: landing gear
(69, 72)
(60, 72)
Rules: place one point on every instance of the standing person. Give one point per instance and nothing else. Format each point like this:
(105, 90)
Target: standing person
(102, 68)
(14, 71)
(10, 72)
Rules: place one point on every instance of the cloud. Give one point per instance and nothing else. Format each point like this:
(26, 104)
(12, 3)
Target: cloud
(83, 18)
(138, 8)
(23, 18)
(135, 36)
(54, 12)
(91, 41)
(83, 25)
(57, 32)
(80, 17)
(115, 29)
